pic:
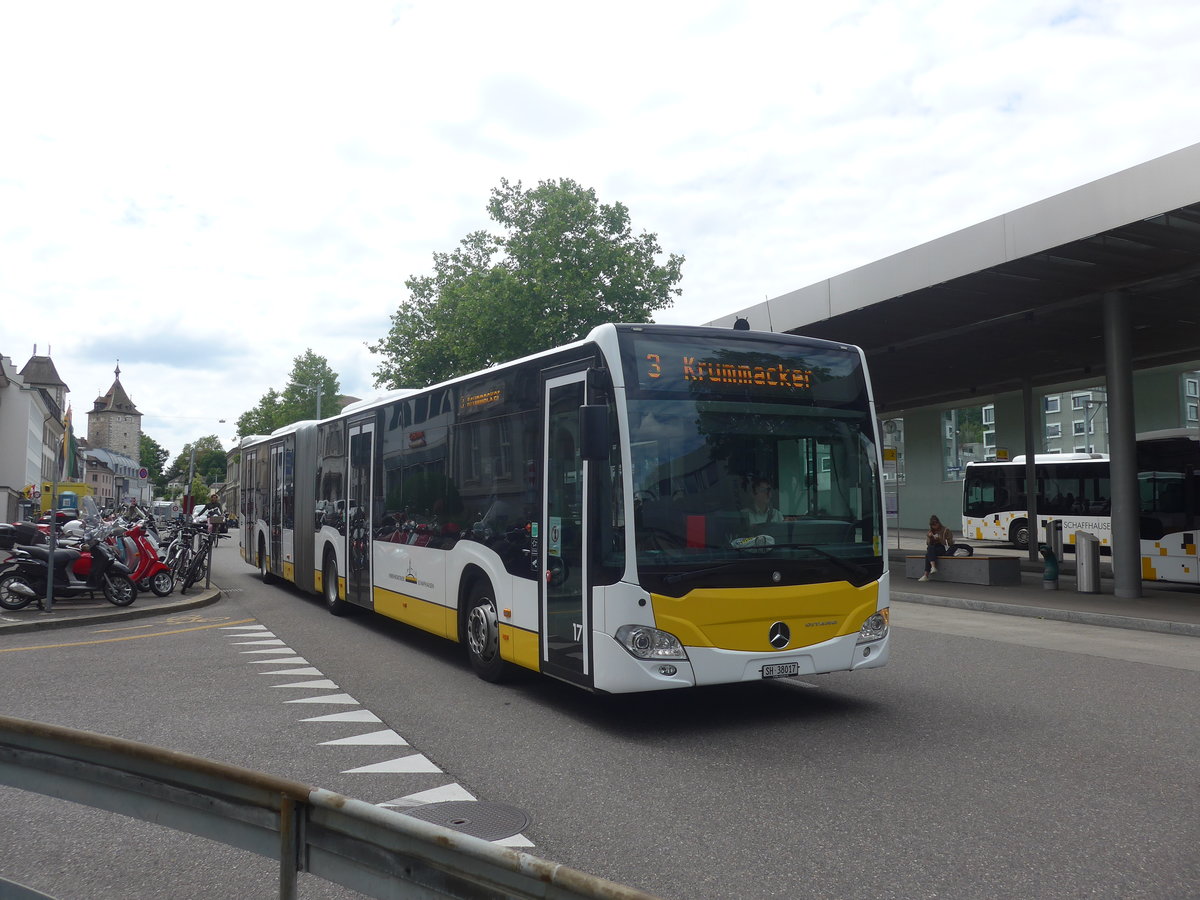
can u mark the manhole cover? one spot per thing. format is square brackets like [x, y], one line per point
[489, 821]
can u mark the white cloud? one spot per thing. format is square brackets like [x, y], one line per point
[207, 191]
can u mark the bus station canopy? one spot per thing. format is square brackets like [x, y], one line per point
[1018, 299]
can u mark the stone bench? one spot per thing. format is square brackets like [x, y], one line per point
[968, 569]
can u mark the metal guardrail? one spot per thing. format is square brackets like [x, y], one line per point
[375, 851]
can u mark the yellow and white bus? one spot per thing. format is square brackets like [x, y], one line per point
[584, 512]
[1074, 488]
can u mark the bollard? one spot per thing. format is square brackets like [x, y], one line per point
[1087, 563]
[1054, 536]
[1050, 573]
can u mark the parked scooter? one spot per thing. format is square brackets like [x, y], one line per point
[76, 572]
[149, 573]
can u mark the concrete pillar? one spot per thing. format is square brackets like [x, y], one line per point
[1122, 448]
[1030, 417]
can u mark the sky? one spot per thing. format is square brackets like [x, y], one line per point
[202, 192]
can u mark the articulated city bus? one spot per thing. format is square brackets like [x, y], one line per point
[1074, 488]
[588, 512]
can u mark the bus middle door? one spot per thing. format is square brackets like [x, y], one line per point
[566, 612]
[359, 483]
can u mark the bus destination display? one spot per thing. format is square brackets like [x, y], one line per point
[675, 367]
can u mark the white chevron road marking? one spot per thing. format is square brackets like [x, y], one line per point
[374, 739]
[418, 762]
[343, 699]
[357, 715]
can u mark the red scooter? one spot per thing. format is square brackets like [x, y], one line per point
[147, 570]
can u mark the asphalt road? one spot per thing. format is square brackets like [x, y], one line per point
[993, 757]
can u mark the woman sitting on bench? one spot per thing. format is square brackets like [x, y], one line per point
[939, 542]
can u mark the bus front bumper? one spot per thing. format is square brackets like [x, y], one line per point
[619, 672]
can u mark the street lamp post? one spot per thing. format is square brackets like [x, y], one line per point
[1090, 408]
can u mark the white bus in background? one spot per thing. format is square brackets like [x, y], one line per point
[1075, 488]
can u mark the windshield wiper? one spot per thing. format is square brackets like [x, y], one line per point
[853, 568]
[677, 577]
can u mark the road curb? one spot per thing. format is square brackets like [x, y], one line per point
[68, 620]
[1058, 615]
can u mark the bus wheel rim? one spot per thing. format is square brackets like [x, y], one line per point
[482, 632]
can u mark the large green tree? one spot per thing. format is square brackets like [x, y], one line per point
[153, 456]
[298, 399]
[262, 417]
[562, 263]
[209, 463]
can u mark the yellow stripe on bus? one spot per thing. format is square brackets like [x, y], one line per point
[416, 612]
[740, 619]
[520, 646]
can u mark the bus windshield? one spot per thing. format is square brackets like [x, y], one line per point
[724, 481]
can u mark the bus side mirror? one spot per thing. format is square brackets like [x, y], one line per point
[595, 441]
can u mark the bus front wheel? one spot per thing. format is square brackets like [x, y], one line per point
[482, 633]
[1018, 534]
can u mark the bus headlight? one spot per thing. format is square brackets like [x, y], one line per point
[876, 627]
[645, 642]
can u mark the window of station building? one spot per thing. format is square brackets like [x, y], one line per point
[1191, 387]
[1053, 429]
[962, 434]
[1079, 401]
[1053, 404]
[1193, 412]
[893, 451]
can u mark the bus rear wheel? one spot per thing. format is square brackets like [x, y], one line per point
[329, 587]
[1018, 534]
[482, 633]
[264, 572]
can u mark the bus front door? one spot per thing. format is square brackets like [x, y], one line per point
[566, 621]
[275, 512]
[358, 514]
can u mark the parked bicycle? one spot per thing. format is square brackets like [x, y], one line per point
[201, 556]
[180, 548]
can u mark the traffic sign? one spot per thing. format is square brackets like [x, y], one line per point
[143, 473]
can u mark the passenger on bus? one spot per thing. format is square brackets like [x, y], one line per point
[939, 541]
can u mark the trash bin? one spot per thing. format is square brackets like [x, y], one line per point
[1054, 536]
[1087, 563]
